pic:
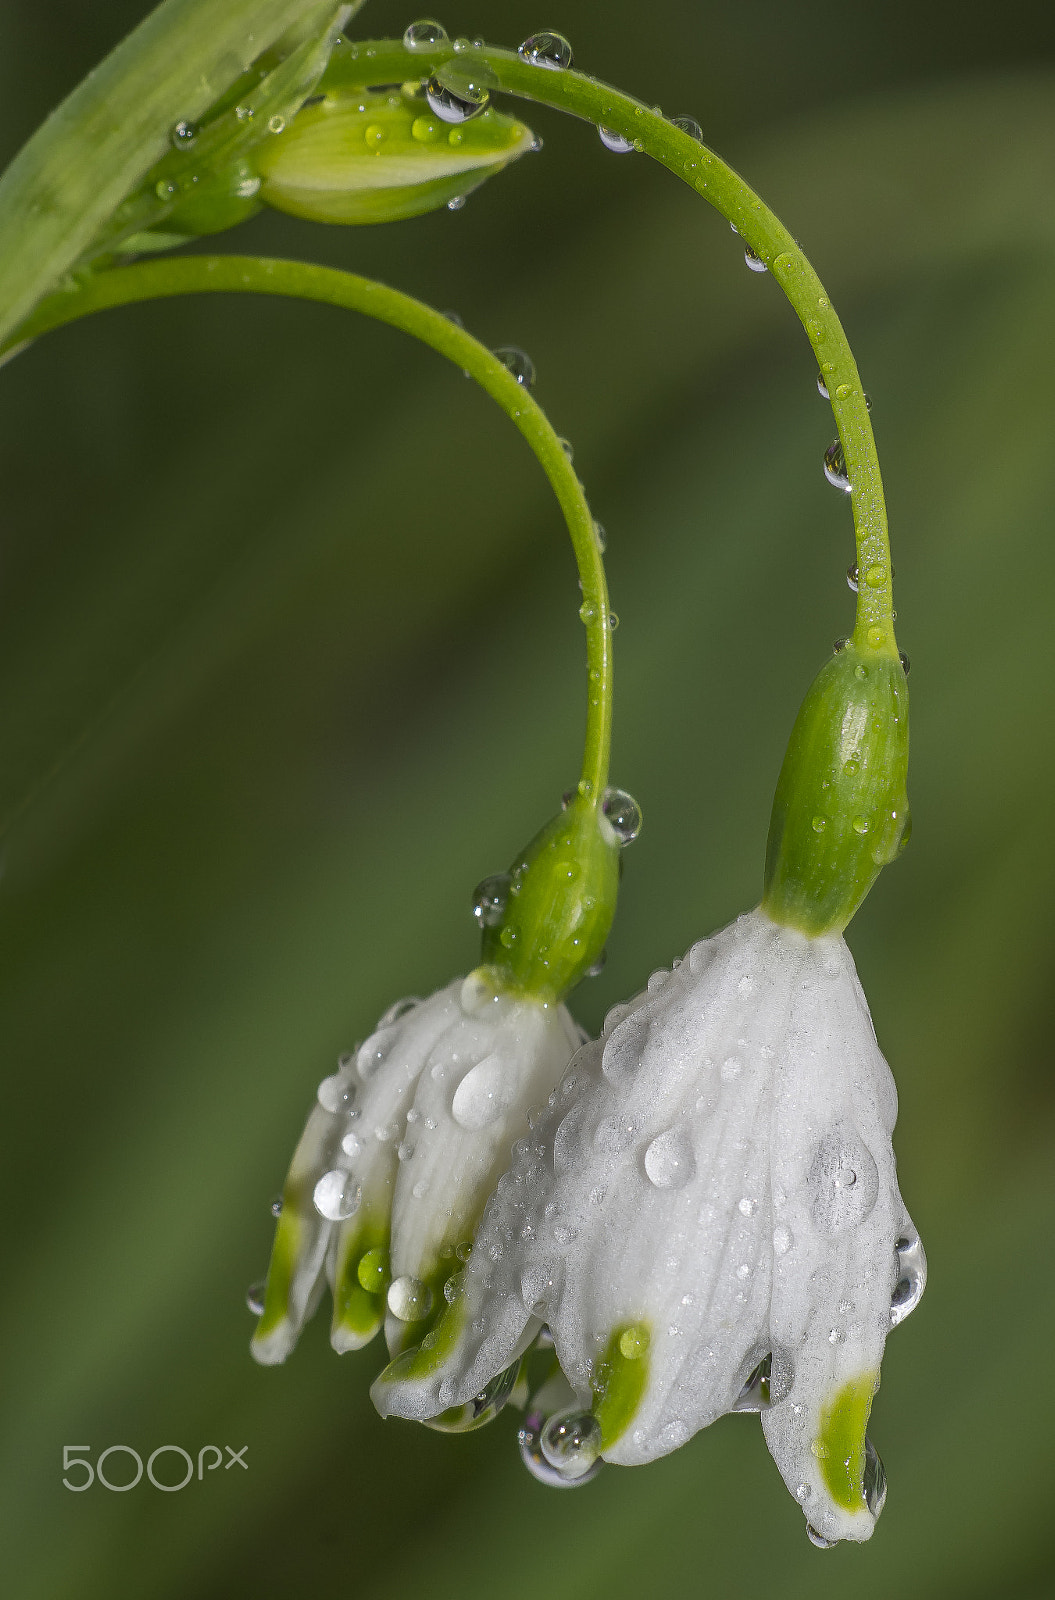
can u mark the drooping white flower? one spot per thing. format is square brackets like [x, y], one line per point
[399, 1153]
[707, 1218]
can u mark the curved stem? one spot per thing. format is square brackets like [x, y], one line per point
[385, 60]
[154, 280]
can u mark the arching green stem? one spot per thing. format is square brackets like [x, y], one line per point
[384, 61]
[159, 279]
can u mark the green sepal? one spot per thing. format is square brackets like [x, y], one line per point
[562, 896]
[840, 813]
[382, 155]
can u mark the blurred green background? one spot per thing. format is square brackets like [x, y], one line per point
[290, 659]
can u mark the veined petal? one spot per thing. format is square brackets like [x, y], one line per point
[498, 1057]
[837, 1217]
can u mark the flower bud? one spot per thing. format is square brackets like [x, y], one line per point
[379, 155]
[840, 812]
[560, 904]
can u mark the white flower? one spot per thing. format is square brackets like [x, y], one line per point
[707, 1218]
[398, 1156]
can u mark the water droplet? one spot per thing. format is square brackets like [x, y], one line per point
[337, 1196]
[184, 136]
[352, 1146]
[490, 898]
[623, 814]
[425, 131]
[852, 766]
[754, 261]
[244, 113]
[818, 1539]
[875, 576]
[507, 938]
[276, 1206]
[374, 135]
[530, 1441]
[853, 576]
[876, 637]
[690, 126]
[614, 141]
[843, 391]
[276, 123]
[613, 621]
[456, 205]
[815, 331]
[860, 671]
[874, 1479]
[595, 968]
[568, 448]
[486, 1091]
[822, 387]
[781, 1239]
[409, 1299]
[755, 1394]
[518, 363]
[843, 1181]
[165, 189]
[819, 824]
[839, 646]
[803, 1491]
[730, 1069]
[571, 1443]
[912, 1277]
[860, 824]
[905, 662]
[746, 1206]
[669, 1160]
[547, 50]
[424, 35]
[633, 1342]
[835, 467]
[335, 1094]
[255, 1297]
[456, 97]
[372, 1270]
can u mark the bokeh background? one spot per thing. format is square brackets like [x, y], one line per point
[290, 659]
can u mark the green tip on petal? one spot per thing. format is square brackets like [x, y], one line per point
[620, 1379]
[840, 1445]
[841, 809]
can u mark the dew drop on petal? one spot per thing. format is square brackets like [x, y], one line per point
[255, 1296]
[486, 1091]
[424, 35]
[781, 1239]
[352, 1145]
[843, 1181]
[874, 1479]
[818, 1539]
[547, 49]
[755, 1394]
[184, 136]
[372, 1270]
[912, 1277]
[337, 1196]
[335, 1094]
[409, 1299]
[571, 1443]
[669, 1160]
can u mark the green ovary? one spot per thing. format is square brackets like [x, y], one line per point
[840, 1445]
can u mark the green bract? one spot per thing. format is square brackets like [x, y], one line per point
[561, 902]
[841, 811]
[378, 155]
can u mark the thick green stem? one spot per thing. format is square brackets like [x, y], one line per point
[155, 280]
[383, 61]
[81, 163]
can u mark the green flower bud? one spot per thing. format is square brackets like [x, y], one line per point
[377, 156]
[557, 908]
[841, 811]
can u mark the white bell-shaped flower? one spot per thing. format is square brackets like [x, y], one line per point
[707, 1218]
[398, 1156]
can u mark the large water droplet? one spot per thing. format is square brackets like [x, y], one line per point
[486, 1091]
[571, 1443]
[912, 1277]
[753, 260]
[623, 814]
[669, 1160]
[482, 1408]
[372, 1270]
[906, 664]
[490, 898]
[853, 577]
[822, 387]
[255, 1297]
[184, 136]
[690, 126]
[874, 1479]
[456, 95]
[424, 35]
[335, 1094]
[409, 1299]
[614, 141]
[337, 1196]
[547, 49]
[843, 1181]
[530, 1441]
[818, 1539]
[835, 467]
[755, 1394]
[518, 363]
